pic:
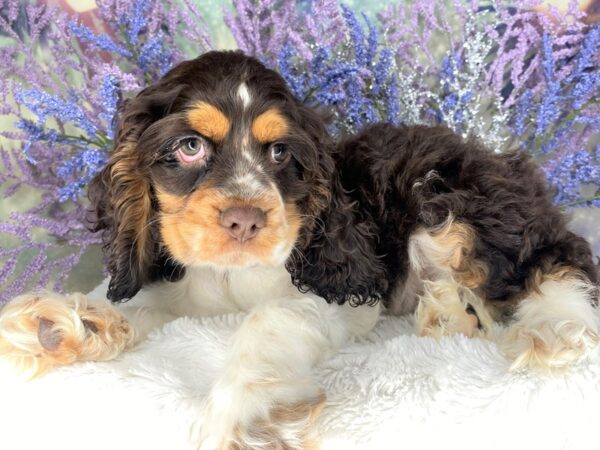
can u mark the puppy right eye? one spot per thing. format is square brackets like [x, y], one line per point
[190, 150]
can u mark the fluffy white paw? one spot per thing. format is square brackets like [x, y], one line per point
[251, 417]
[554, 327]
[549, 347]
[42, 331]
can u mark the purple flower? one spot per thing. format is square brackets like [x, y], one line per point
[357, 36]
[155, 57]
[100, 42]
[285, 65]
[392, 102]
[568, 173]
[45, 106]
[109, 95]
[35, 133]
[549, 109]
[523, 110]
[137, 19]
[382, 71]
[586, 76]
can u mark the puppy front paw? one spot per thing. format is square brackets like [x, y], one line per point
[39, 332]
[251, 418]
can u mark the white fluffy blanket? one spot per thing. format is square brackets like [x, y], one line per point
[392, 390]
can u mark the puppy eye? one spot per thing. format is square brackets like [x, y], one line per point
[279, 153]
[191, 149]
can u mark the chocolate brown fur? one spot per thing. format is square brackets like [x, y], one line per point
[391, 181]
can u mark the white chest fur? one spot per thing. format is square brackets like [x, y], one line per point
[206, 291]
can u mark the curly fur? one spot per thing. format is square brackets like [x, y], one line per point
[339, 262]
[124, 204]
[392, 181]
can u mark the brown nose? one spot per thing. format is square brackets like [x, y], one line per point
[243, 223]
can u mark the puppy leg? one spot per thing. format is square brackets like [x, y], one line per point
[39, 332]
[446, 308]
[443, 261]
[266, 398]
[554, 327]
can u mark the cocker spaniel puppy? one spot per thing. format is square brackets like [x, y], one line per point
[217, 173]
[221, 184]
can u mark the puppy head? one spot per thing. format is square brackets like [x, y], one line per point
[215, 165]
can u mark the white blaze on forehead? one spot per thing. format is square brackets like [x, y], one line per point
[247, 156]
[244, 94]
[252, 164]
[248, 169]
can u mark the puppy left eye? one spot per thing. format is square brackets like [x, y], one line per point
[279, 153]
[190, 150]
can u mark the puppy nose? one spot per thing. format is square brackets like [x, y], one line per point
[243, 223]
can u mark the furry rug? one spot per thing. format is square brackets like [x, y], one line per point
[390, 390]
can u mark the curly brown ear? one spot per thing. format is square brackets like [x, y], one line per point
[340, 262]
[124, 205]
[317, 166]
[336, 252]
[122, 199]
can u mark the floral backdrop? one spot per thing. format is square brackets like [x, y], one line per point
[520, 75]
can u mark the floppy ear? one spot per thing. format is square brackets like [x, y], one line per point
[340, 262]
[317, 165]
[124, 204]
[336, 254]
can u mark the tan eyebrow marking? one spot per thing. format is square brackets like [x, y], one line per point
[269, 126]
[209, 121]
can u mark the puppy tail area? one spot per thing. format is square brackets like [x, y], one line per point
[41, 331]
[555, 325]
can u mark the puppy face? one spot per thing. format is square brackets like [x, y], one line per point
[215, 165]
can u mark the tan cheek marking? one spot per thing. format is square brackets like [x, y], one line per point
[184, 220]
[269, 126]
[209, 121]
